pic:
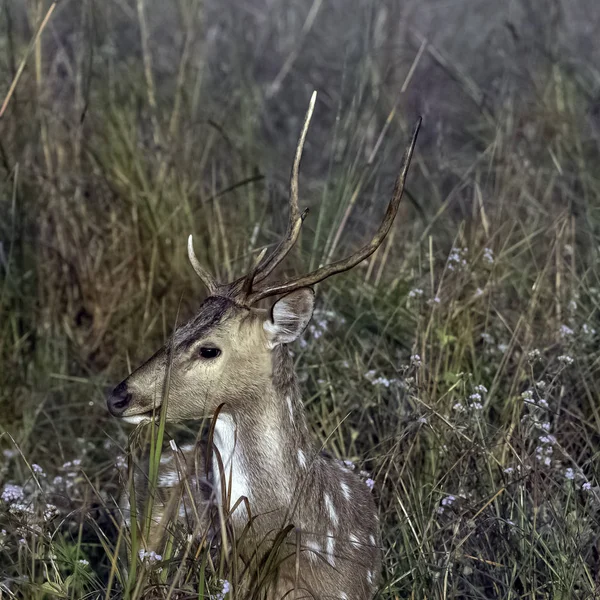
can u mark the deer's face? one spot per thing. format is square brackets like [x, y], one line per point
[223, 355]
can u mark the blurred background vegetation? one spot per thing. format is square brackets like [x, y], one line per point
[463, 354]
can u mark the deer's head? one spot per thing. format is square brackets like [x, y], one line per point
[225, 353]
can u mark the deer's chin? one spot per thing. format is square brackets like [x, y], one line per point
[146, 417]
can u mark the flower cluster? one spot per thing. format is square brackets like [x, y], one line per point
[456, 259]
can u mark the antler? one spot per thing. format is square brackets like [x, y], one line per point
[244, 289]
[341, 265]
[295, 219]
[207, 279]
[264, 267]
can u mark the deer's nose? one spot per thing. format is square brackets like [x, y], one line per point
[119, 400]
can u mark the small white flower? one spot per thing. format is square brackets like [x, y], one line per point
[488, 256]
[448, 500]
[509, 470]
[458, 407]
[547, 461]
[475, 396]
[12, 493]
[570, 474]
[533, 355]
[565, 332]
[481, 389]
[370, 483]
[370, 375]
[587, 330]
[150, 556]
[435, 300]
[415, 360]
[83, 562]
[50, 511]
[477, 406]
[415, 293]
[37, 469]
[422, 420]
[487, 338]
[566, 360]
[545, 426]
[20, 509]
[587, 486]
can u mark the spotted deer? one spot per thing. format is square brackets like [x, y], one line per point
[307, 516]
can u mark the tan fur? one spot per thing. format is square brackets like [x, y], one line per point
[331, 548]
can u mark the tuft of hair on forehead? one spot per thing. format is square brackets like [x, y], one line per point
[214, 311]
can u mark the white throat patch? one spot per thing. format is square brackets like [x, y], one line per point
[231, 456]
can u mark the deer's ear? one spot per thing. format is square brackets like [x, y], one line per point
[290, 316]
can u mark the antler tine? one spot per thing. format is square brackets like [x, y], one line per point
[207, 279]
[347, 263]
[247, 285]
[295, 218]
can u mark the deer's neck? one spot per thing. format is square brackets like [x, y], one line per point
[265, 447]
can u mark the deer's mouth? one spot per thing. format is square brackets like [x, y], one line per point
[145, 417]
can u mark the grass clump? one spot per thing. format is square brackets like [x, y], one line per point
[457, 368]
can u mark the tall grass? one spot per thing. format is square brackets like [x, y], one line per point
[458, 366]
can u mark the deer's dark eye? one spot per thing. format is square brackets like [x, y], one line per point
[208, 352]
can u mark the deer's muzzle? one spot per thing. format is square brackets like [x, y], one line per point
[119, 400]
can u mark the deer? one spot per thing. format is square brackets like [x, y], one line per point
[307, 515]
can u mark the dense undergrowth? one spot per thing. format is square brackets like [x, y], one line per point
[458, 365]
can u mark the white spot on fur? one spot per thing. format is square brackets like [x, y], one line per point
[225, 442]
[345, 490]
[188, 448]
[330, 509]
[330, 548]
[168, 479]
[354, 541]
[314, 549]
[370, 577]
[301, 459]
[343, 596]
[290, 408]
[372, 540]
